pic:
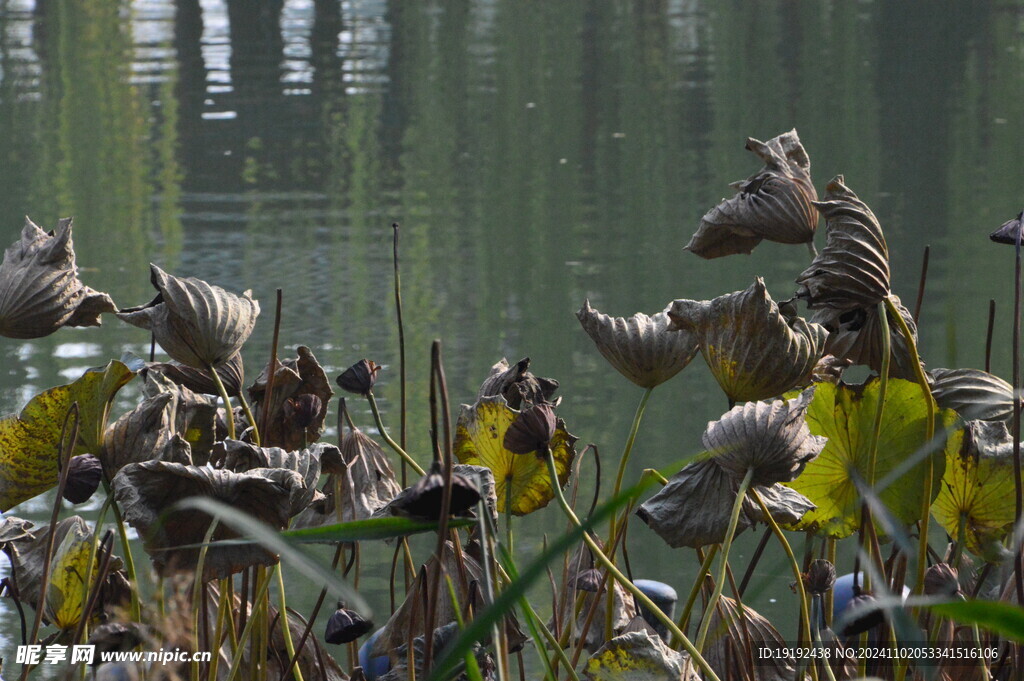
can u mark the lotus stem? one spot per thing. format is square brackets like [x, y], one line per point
[286, 631]
[236, 661]
[1018, 493]
[698, 584]
[229, 416]
[639, 595]
[401, 346]
[129, 562]
[199, 594]
[223, 610]
[804, 608]
[252, 421]
[387, 438]
[883, 383]
[988, 334]
[920, 286]
[630, 439]
[754, 560]
[929, 435]
[734, 518]
[268, 395]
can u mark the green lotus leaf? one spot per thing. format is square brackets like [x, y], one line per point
[845, 414]
[29, 440]
[977, 486]
[479, 441]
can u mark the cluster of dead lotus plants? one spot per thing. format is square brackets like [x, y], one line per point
[223, 482]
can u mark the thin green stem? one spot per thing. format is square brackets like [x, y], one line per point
[387, 438]
[252, 420]
[639, 595]
[129, 563]
[633, 429]
[734, 518]
[199, 593]
[229, 416]
[804, 607]
[883, 382]
[236, 661]
[929, 435]
[286, 631]
[684, 617]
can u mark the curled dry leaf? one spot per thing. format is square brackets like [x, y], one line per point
[776, 203]
[171, 424]
[643, 349]
[754, 349]
[972, 393]
[855, 335]
[770, 437]
[294, 379]
[194, 322]
[148, 490]
[517, 384]
[852, 271]
[638, 656]
[39, 286]
[727, 649]
[243, 457]
[425, 498]
[1009, 231]
[231, 372]
[520, 478]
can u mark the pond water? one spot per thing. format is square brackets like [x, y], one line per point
[535, 153]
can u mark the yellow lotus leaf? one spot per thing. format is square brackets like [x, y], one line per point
[29, 440]
[479, 441]
[66, 592]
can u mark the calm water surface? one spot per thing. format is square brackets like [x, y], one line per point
[535, 154]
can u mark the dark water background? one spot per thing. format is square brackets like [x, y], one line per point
[535, 153]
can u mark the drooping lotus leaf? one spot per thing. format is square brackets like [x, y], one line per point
[978, 488]
[852, 271]
[295, 377]
[638, 656]
[517, 384]
[754, 349]
[1009, 231]
[170, 417]
[13, 529]
[195, 323]
[643, 349]
[243, 457]
[727, 644]
[973, 393]
[845, 414]
[424, 499]
[856, 335]
[693, 508]
[770, 437]
[776, 203]
[231, 372]
[479, 440]
[39, 286]
[29, 440]
[147, 490]
[65, 589]
[477, 482]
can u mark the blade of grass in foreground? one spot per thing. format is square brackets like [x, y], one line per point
[481, 625]
[290, 550]
[1001, 618]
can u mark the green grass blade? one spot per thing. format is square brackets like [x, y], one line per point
[1001, 618]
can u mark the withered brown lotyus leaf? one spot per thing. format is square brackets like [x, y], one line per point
[638, 655]
[856, 335]
[39, 286]
[231, 372]
[754, 349]
[972, 393]
[194, 322]
[727, 644]
[302, 375]
[776, 203]
[517, 384]
[146, 491]
[770, 437]
[852, 271]
[243, 457]
[643, 349]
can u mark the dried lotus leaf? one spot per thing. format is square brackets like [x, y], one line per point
[972, 393]
[852, 271]
[754, 350]
[243, 457]
[302, 375]
[731, 627]
[231, 372]
[776, 203]
[517, 384]
[638, 656]
[39, 287]
[643, 349]
[856, 335]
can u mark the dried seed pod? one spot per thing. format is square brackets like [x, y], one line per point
[643, 349]
[84, 475]
[345, 626]
[39, 286]
[359, 378]
[299, 378]
[776, 203]
[863, 613]
[424, 499]
[195, 323]
[302, 410]
[532, 430]
[820, 576]
[941, 579]
[517, 384]
[589, 580]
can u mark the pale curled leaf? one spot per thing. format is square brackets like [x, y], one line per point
[770, 437]
[727, 651]
[855, 335]
[753, 349]
[194, 322]
[972, 393]
[852, 271]
[643, 349]
[39, 286]
[638, 656]
[776, 203]
[243, 457]
[231, 373]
